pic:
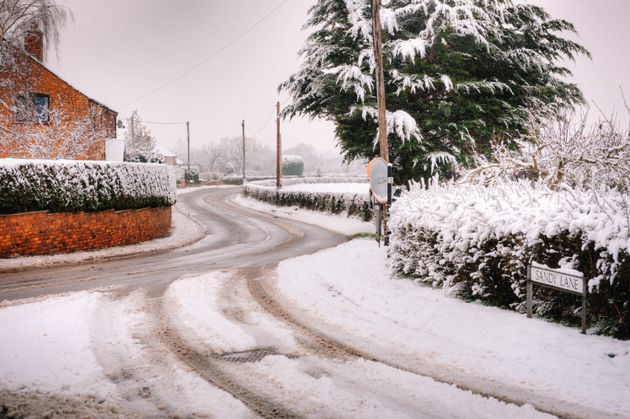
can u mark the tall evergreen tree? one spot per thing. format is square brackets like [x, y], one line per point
[460, 74]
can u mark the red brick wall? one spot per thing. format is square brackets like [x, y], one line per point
[42, 233]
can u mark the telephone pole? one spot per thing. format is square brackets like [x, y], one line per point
[278, 148]
[244, 152]
[380, 80]
[380, 95]
[188, 144]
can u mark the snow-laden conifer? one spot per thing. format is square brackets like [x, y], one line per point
[459, 74]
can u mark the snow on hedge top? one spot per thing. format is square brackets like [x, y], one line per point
[70, 185]
[468, 214]
[345, 188]
[294, 159]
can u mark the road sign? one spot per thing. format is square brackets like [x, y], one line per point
[378, 172]
[560, 280]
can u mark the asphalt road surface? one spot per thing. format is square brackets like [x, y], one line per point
[237, 238]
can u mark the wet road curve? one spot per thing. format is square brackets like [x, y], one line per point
[237, 238]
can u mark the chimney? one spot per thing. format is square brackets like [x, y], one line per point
[34, 42]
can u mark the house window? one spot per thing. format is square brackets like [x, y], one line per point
[36, 110]
[42, 108]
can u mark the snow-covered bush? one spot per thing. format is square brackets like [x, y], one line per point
[71, 186]
[477, 241]
[353, 205]
[191, 175]
[292, 165]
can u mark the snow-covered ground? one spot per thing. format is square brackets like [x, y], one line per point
[349, 289]
[100, 349]
[91, 350]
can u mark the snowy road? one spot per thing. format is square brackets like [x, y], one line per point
[237, 237]
[200, 332]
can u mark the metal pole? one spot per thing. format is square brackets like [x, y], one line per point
[584, 305]
[529, 292]
[380, 96]
[278, 148]
[244, 152]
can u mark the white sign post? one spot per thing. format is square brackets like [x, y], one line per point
[560, 280]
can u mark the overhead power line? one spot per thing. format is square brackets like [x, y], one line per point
[213, 55]
[164, 123]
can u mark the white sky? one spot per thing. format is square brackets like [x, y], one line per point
[119, 50]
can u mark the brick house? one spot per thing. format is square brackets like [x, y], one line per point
[37, 87]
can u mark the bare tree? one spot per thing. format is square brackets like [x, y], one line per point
[568, 150]
[17, 18]
[55, 135]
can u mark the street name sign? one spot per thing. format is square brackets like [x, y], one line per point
[558, 279]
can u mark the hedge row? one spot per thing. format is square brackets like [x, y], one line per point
[353, 205]
[73, 186]
[476, 243]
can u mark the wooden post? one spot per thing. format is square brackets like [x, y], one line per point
[244, 152]
[133, 131]
[380, 96]
[278, 149]
[188, 146]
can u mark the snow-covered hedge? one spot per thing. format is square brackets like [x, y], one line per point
[476, 242]
[71, 186]
[353, 205]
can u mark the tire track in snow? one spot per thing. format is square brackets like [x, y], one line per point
[262, 284]
[214, 372]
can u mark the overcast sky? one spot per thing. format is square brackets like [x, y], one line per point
[119, 51]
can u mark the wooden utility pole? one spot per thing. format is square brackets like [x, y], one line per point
[188, 145]
[244, 152]
[380, 80]
[380, 96]
[278, 148]
[133, 131]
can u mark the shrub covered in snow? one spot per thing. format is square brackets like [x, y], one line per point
[71, 186]
[352, 204]
[476, 242]
[292, 165]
